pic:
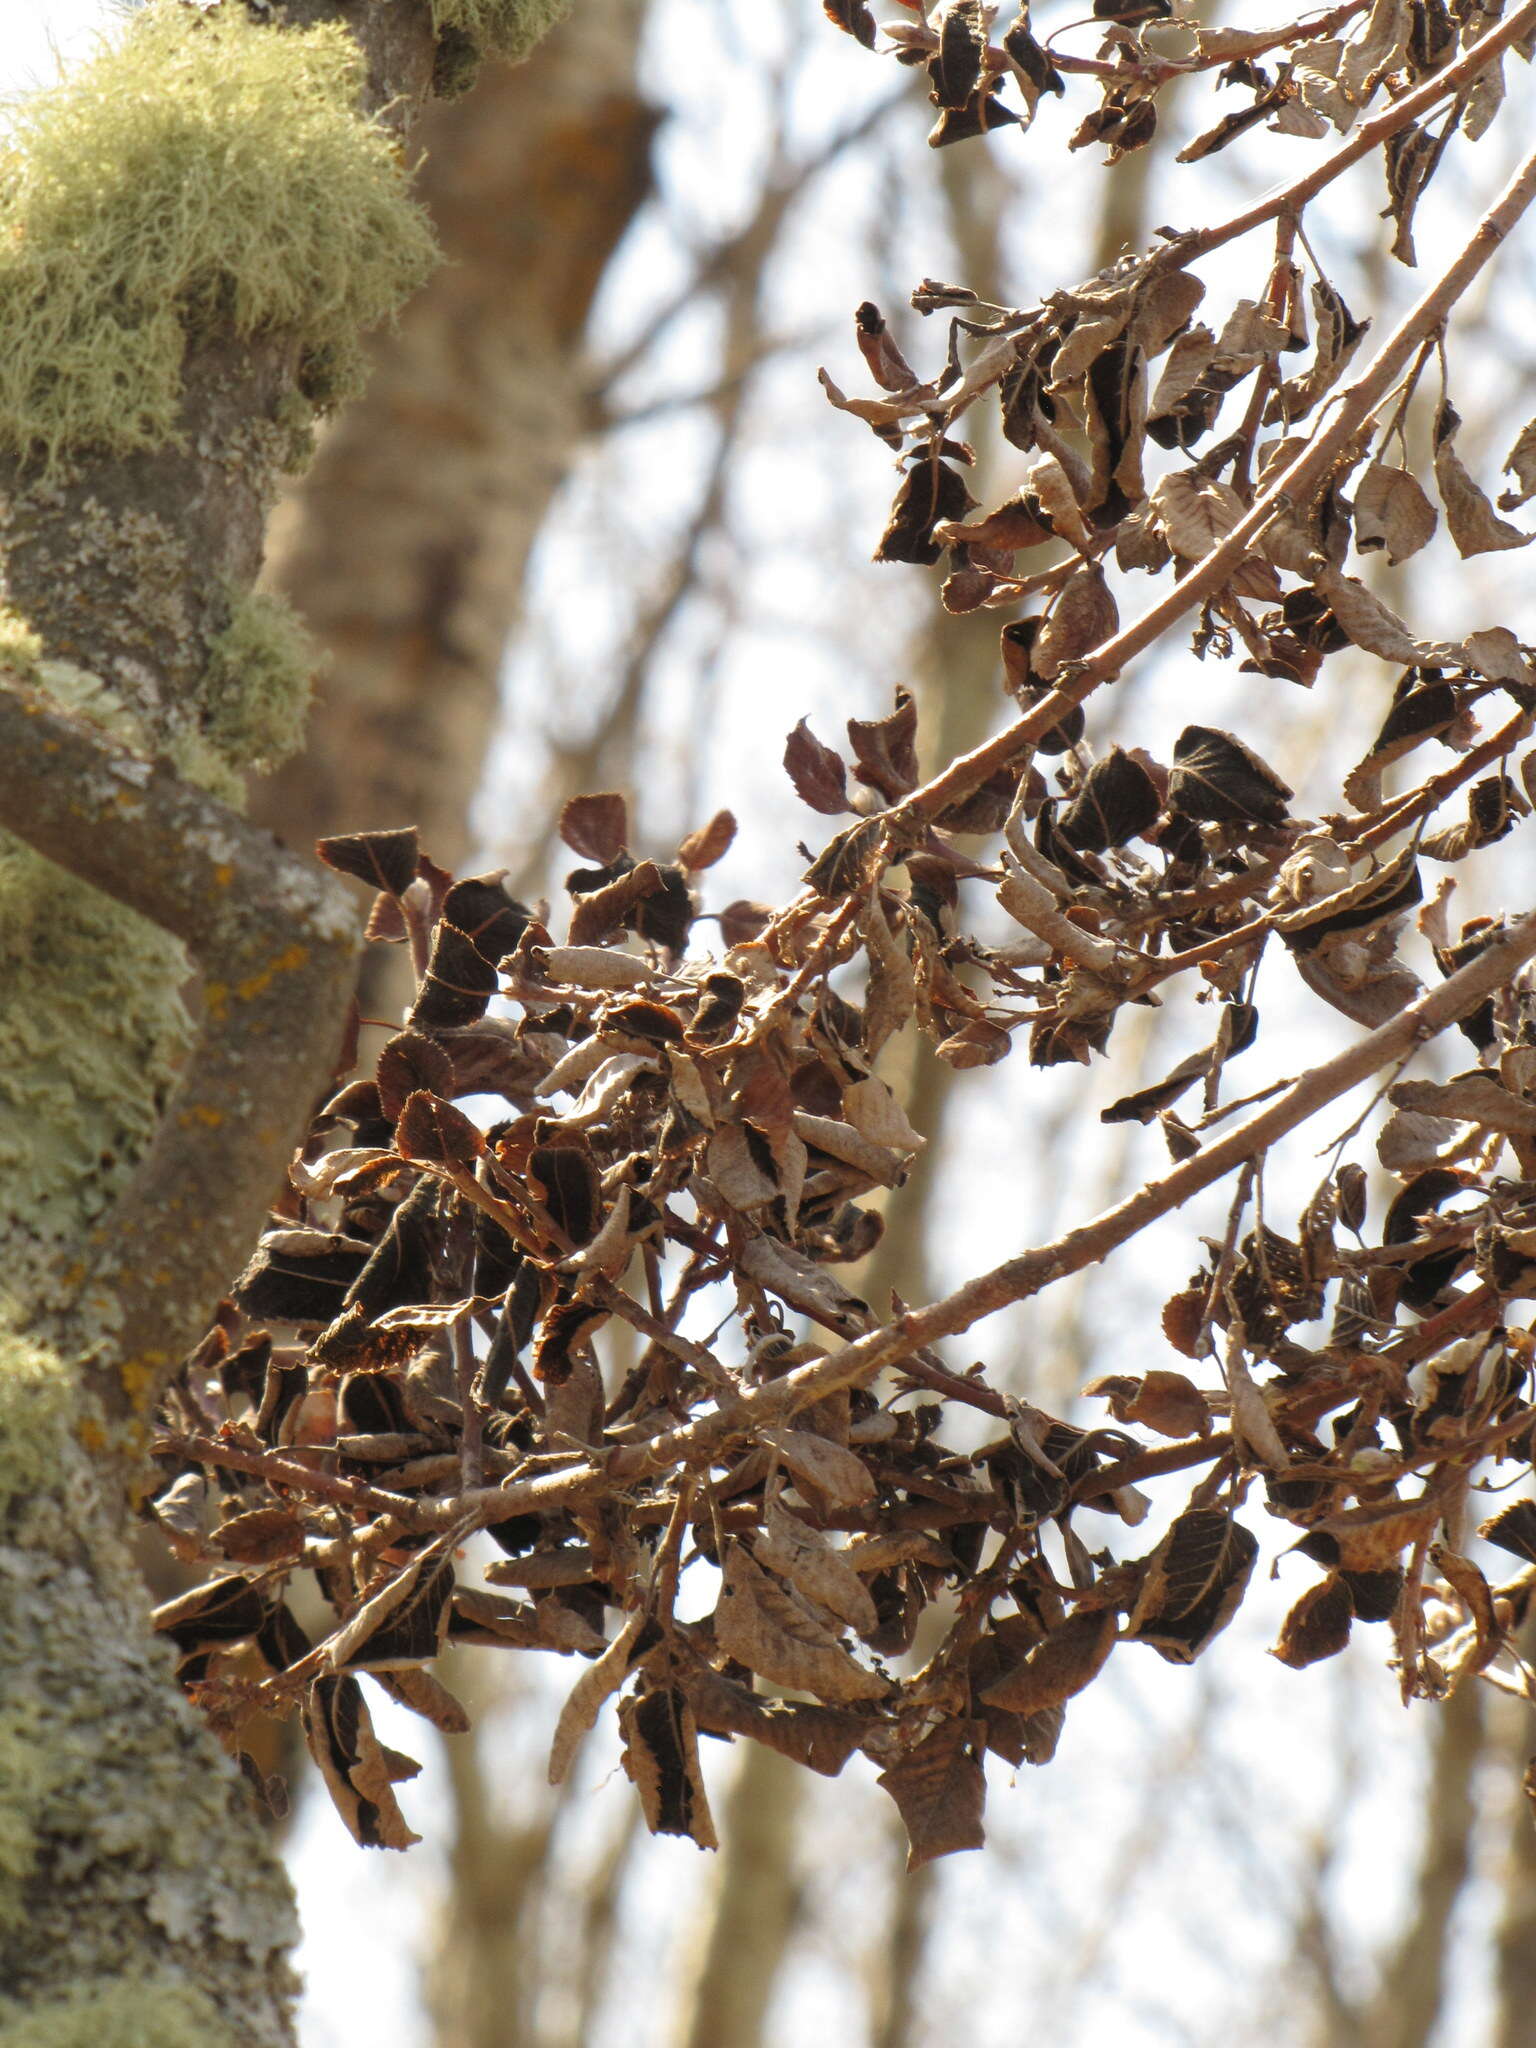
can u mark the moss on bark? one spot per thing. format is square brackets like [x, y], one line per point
[201, 175]
[131, 1875]
[500, 28]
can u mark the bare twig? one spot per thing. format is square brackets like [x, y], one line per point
[1293, 489]
[697, 1443]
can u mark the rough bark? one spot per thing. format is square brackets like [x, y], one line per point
[138, 1898]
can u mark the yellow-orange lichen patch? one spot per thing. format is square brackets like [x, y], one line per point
[218, 995]
[287, 962]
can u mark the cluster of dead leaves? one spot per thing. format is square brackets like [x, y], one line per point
[539, 1264]
[1310, 78]
[415, 1336]
[414, 1355]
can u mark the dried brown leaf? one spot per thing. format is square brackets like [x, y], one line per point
[596, 827]
[385, 860]
[1193, 1584]
[1317, 1626]
[1392, 512]
[710, 843]
[805, 1558]
[1083, 617]
[356, 1770]
[820, 1738]
[404, 1623]
[762, 1626]
[841, 1478]
[1475, 1098]
[584, 1702]
[819, 776]
[885, 751]
[1069, 1657]
[261, 1536]
[1514, 1529]
[661, 1757]
[1520, 463]
[426, 1695]
[1474, 525]
[872, 1108]
[940, 1790]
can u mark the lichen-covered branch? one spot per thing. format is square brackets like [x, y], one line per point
[195, 228]
[275, 940]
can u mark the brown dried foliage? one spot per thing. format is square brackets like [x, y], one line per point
[666, 1112]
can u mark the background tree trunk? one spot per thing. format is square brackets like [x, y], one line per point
[743, 1948]
[405, 546]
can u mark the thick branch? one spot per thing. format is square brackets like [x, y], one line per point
[276, 939]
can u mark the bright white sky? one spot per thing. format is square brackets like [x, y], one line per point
[1198, 1943]
[34, 37]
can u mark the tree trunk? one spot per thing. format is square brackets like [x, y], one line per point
[138, 1898]
[1515, 1936]
[756, 1899]
[209, 224]
[1409, 2000]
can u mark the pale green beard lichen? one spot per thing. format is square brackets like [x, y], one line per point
[257, 683]
[202, 174]
[501, 28]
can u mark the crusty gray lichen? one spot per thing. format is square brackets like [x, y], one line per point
[134, 2012]
[139, 1901]
[94, 1027]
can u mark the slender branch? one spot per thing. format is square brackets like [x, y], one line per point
[290, 1472]
[1391, 121]
[1018, 1279]
[1158, 70]
[1292, 490]
[1434, 790]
